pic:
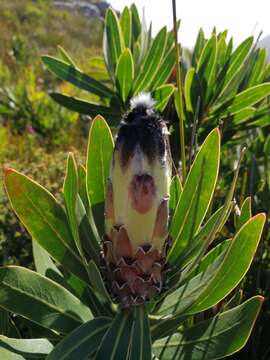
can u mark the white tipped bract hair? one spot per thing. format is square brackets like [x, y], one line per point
[144, 100]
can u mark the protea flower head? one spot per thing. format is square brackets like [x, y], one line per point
[137, 205]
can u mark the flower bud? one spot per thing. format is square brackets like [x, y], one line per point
[136, 207]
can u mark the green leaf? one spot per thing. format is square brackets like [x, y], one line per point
[40, 300]
[165, 70]
[88, 232]
[206, 64]
[249, 97]
[257, 68]
[20, 349]
[44, 219]
[71, 188]
[97, 281]
[136, 55]
[162, 96]
[215, 338]
[188, 93]
[144, 40]
[136, 23]
[99, 154]
[195, 200]
[241, 116]
[222, 276]
[210, 257]
[198, 240]
[245, 213]
[116, 342]
[82, 342]
[88, 296]
[125, 74]
[266, 147]
[114, 41]
[221, 52]
[234, 301]
[85, 107]
[141, 347]
[7, 325]
[74, 76]
[175, 192]
[65, 56]
[199, 45]
[125, 21]
[192, 90]
[234, 266]
[236, 62]
[165, 326]
[152, 62]
[82, 186]
[45, 266]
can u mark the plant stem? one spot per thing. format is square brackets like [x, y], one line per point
[178, 79]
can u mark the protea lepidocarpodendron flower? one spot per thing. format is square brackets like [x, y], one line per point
[137, 206]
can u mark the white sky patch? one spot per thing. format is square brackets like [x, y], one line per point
[241, 17]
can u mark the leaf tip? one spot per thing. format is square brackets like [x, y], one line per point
[7, 171]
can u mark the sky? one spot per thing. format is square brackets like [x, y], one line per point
[241, 17]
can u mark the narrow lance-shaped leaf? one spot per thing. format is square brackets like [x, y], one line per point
[192, 90]
[162, 96]
[186, 298]
[210, 257]
[114, 41]
[39, 299]
[99, 153]
[198, 240]
[116, 342]
[223, 335]
[82, 186]
[45, 220]
[249, 97]
[175, 192]
[165, 70]
[85, 107]
[234, 266]
[136, 23]
[190, 213]
[212, 285]
[126, 25]
[19, 349]
[67, 72]
[97, 281]
[240, 117]
[65, 56]
[45, 266]
[258, 67]
[245, 213]
[206, 64]
[125, 74]
[152, 62]
[141, 347]
[71, 188]
[88, 232]
[82, 342]
[233, 70]
[7, 325]
[199, 45]
[144, 40]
